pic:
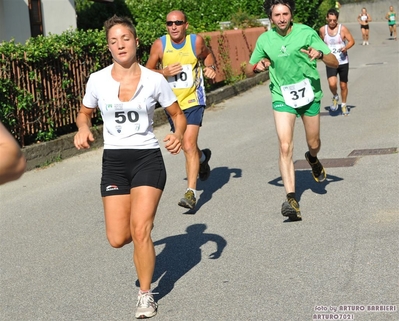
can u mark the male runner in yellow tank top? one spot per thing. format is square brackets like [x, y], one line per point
[185, 60]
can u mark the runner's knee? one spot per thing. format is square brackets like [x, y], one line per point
[314, 143]
[118, 240]
[286, 150]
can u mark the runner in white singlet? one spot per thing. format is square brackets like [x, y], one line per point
[364, 18]
[339, 40]
[133, 171]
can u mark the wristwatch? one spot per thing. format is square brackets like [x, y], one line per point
[256, 71]
[321, 54]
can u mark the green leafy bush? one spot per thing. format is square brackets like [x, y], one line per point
[243, 20]
[92, 15]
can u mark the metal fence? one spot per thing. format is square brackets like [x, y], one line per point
[41, 100]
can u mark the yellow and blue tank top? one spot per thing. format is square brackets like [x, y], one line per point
[188, 85]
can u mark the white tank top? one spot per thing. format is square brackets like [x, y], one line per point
[363, 16]
[335, 43]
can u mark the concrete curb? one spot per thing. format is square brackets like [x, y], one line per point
[43, 154]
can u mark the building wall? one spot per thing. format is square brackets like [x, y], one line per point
[57, 15]
[14, 20]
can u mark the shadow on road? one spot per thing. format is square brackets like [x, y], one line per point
[305, 181]
[338, 112]
[180, 254]
[219, 177]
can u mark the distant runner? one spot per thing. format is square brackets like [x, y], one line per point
[364, 18]
[339, 40]
[391, 17]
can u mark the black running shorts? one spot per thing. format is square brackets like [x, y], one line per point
[123, 169]
[342, 71]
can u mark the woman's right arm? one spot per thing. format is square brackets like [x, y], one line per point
[84, 136]
[173, 142]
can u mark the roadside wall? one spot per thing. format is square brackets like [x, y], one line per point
[232, 49]
[377, 10]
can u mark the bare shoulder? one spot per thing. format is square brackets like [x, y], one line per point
[344, 29]
[157, 45]
[345, 32]
[199, 40]
[156, 54]
[200, 46]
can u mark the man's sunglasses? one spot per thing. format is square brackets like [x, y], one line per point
[177, 23]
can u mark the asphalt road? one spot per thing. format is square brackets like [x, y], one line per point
[56, 263]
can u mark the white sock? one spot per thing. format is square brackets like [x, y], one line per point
[144, 292]
[194, 191]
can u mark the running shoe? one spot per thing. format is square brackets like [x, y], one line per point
[390, 34]
[188, 201]
[367, 43]
[205, 170]
[146, 306]
[364, 43]
[290, 208]
[345, 110]
[318, 172]
[334, 105]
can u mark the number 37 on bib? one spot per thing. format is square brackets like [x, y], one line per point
[299, 94]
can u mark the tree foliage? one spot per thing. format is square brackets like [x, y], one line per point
[313, 12]
[149, 15]
[306, 12]
[205, 15]
[92, 15]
